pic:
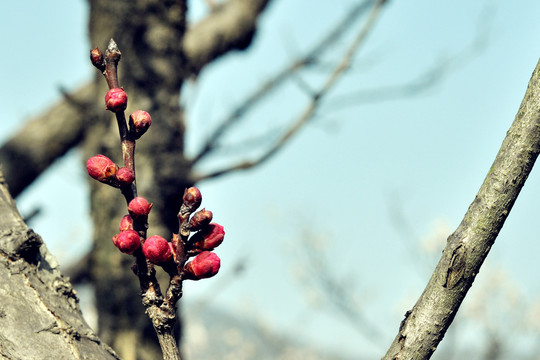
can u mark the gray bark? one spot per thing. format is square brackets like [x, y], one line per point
[39, 311]
[425, 325]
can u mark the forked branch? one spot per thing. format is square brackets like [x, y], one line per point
[317, 97]
[279, 78]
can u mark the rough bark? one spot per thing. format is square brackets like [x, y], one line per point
[39, 312]
[425, 325]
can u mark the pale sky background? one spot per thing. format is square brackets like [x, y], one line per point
[423, 157]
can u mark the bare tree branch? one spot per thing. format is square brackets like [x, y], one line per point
[46, 138]
[312, 107]
[231, 26]
[425, 325]
[271, 84]
[423, 81]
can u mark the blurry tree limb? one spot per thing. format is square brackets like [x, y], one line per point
[425, 325]
[42, 140]
[424, 81]
[317, 97]
[52, 134]
[278, 79]
[231, 26]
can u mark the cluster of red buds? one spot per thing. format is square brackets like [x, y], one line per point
[188, 255]
[173, 254]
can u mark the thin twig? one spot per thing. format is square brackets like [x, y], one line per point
[312, 107]
[162, 313]
[423, 81]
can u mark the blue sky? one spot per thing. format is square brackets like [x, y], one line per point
[422, 157]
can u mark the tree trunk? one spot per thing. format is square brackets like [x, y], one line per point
[39, 312]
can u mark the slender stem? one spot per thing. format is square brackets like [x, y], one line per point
[112, 57]
[162, 312]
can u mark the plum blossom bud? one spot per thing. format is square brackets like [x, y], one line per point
[96, 56]
[200, 219]
[101, 168]
[125, 176]
[203, 266]
[126, 223]
[157, 250]
[139, 207]
[127, 241]
[139, 122]
[192, 198]
[116, 100]
[208, 238]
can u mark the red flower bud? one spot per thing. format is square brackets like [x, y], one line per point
[139, 122]
[127, 241]
[208, 238]
[125, 176]
[116, 100]
[96, 56]
[157, 249]
[139, 207]
[192, 198]
[203, 266]
[200, 219]
[126, 223]
[101, 168]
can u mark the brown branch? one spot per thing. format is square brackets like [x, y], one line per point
[425, 325]
[309, 112]
[230, 27]
[271, 84]
[42, 140]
